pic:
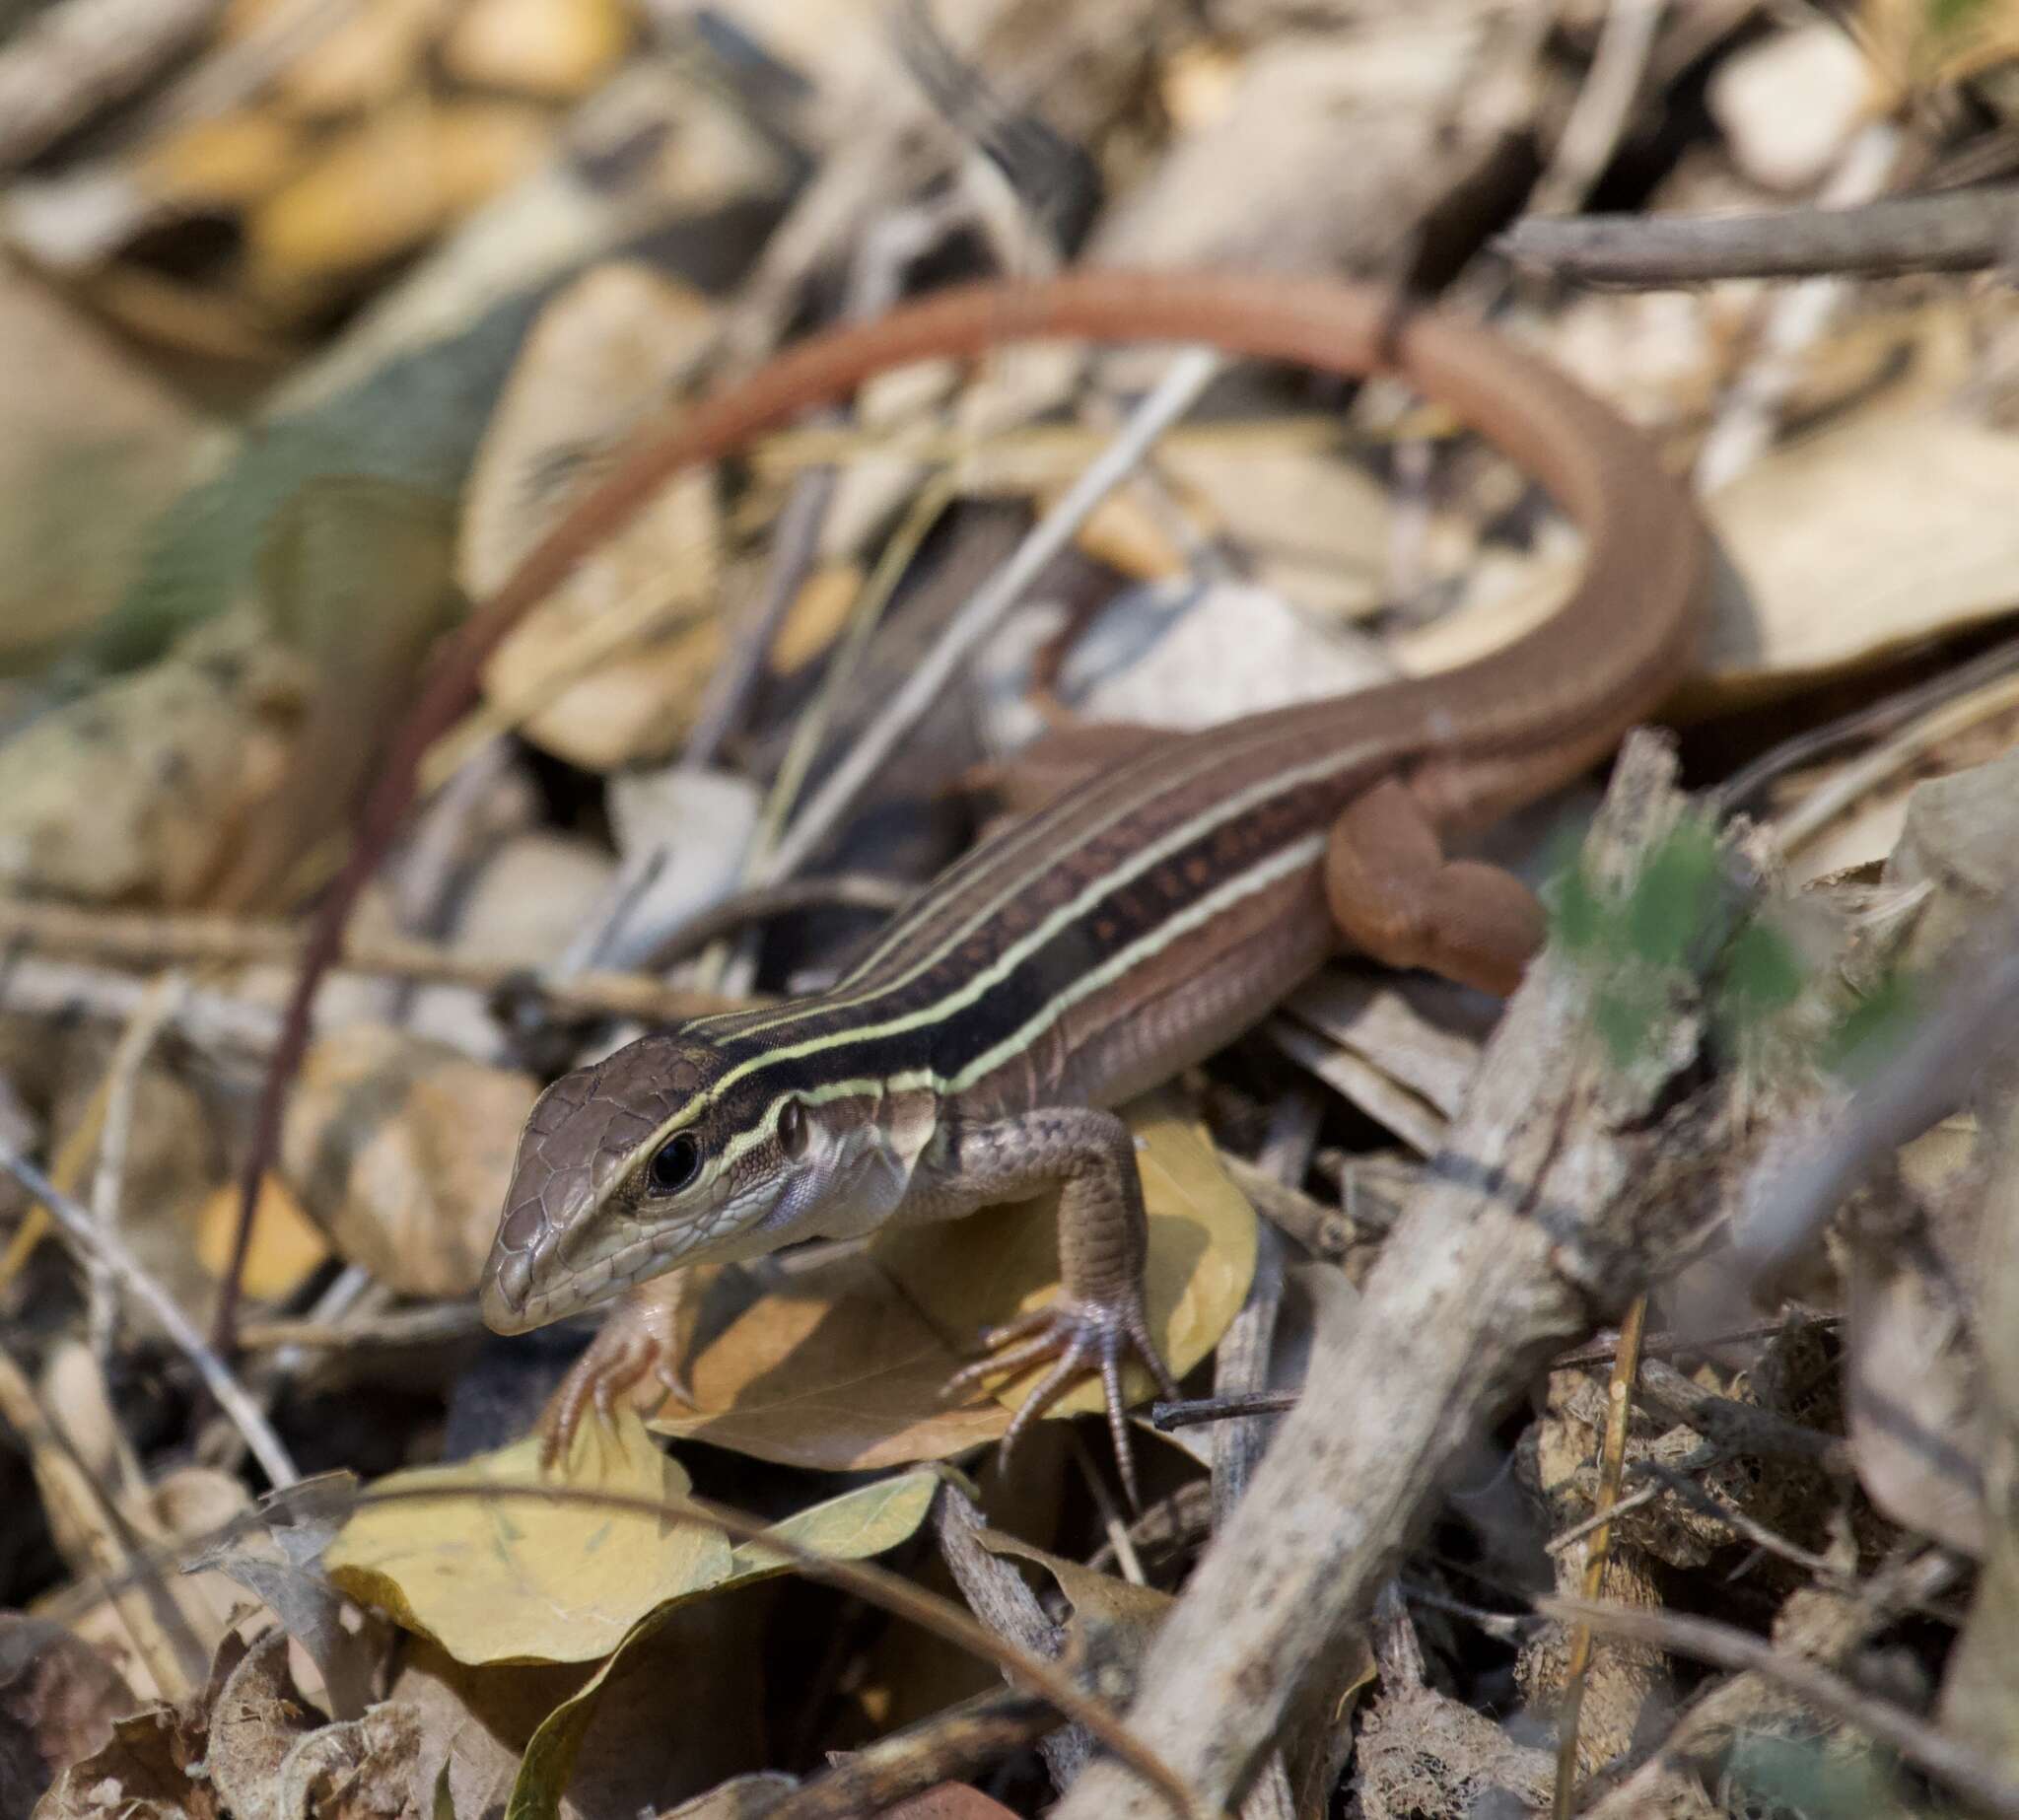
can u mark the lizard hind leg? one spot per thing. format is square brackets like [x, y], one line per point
[1397, 899]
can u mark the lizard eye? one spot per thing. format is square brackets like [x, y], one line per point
[675, 1164]
[791, 1128]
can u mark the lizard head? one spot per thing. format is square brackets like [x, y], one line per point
[663, 1153]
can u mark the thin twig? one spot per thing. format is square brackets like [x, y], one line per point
[1599, 115]
[1963, 232]
[230, 1396]
[1948, 1760]
[1188, 376]
[1612, 1464]
[123, 1080]
[151, 939]
[1738, 792]
[1749, 413]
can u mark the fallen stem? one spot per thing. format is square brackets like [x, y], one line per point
[108, 1247]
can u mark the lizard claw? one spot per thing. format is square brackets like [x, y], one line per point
[637, 1341]
[1078, 1337]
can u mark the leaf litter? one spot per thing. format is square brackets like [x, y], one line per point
[388, 288]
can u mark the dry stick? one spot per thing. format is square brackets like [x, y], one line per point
[148, 939]
[1956, 1765]
[80, 55]
[1845, 786]
[1965, 232]
[1932, 1072]
[1749, 415]
[1188, 376]
[1826, 1631]
[1554, 1191]
[1612, 1461]
[1739, 792]
[217, 1377]
[1599, 115]
[122, 1081]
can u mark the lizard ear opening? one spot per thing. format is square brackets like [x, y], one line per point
[792, 1129]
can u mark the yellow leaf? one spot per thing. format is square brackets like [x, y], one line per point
[552, 48]
[515, 1580]
[286, 1243]
[969, 1274]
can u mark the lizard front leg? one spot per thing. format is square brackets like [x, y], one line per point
[645, 1332]
[1098, 1316]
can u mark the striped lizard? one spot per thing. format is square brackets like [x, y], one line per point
[1132, 925]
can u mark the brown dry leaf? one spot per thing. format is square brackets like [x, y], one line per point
[255, 1721]
[602, 356]
[286, 1243]
[1315, 529]
[519, 1580]
[142, 1773]
[1227, 649]
[161, 1632]
[836, 1371]
[401, 1150]
[1960, 838]
[818, 612]
[91, 447]
[553, 49]
[171, 762]
[1882, 527]
[969, 1274]
[59, 1698]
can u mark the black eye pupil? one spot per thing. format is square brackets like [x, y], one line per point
[674, 1163]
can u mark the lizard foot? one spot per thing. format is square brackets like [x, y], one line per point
[1080, 1337]
[640, 1338]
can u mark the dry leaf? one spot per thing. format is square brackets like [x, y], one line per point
[852, 1527]
[950, 1802]
[602, 356]
[402, 1148]
[1213, 653]
[229, 161]
[92, 444]
[287, 1246]
[1312, 527]
[554, 49]
[59, 1697]
[836, 1371]
[383, 188]
[171, 761]
[373, 52]
[522, 1580]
